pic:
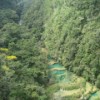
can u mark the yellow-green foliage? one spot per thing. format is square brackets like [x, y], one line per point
[5, 68]
[4, 49]
[11, 57]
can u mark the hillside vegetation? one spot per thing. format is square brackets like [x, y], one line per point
[68, 29]
[72, 35]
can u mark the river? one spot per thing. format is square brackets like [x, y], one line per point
[70, 86]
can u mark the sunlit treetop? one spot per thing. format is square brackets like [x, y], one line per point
[11, 57]
[4, 49]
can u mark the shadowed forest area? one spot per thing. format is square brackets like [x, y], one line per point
[36, 35]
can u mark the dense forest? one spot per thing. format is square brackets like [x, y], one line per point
[72, 35]
[68, 29]
[22, 66]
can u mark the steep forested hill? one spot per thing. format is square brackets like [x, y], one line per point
[68, 29]
[72, 35]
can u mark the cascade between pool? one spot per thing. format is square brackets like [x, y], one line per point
[69, 85]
